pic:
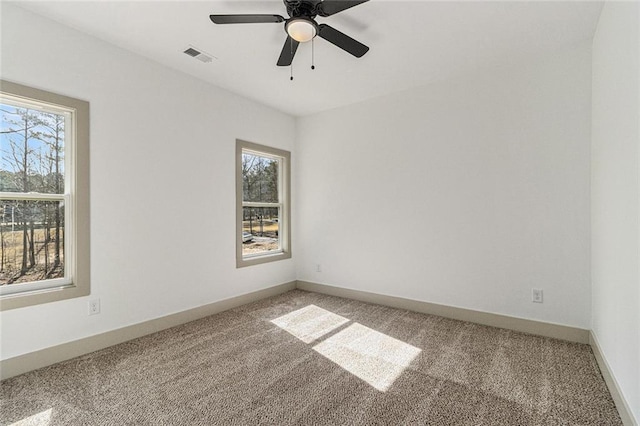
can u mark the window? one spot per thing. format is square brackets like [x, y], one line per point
[262, 204]
[44, 196]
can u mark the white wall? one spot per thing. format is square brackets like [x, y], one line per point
[464, 193]
[615, 194]
[162, 182]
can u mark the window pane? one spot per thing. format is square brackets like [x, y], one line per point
[260, 230]
[259, 178]
[31, 241]
[31, 150]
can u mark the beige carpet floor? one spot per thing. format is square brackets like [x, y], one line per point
[310, 359]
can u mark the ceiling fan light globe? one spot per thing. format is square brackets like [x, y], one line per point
[301, 30]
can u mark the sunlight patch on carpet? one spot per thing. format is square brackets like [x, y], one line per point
[310, 323]
[42, 418]
[372, 356]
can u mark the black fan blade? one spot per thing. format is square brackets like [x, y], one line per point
[288, 52]
[341, 40]
[331, 7]
[245, 19]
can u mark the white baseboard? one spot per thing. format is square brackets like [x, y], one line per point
[557, 331]
[572, 334]
[614, 389]
[31, 361]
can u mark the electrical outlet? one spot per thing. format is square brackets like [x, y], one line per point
[318, 267]
[94, 306]
[536, 295]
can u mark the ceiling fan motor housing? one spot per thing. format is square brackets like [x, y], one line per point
[302, 8]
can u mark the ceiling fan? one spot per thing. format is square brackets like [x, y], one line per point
[302, 27]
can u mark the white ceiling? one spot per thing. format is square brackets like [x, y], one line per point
[412, 43]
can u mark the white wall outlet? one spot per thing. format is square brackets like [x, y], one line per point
[318, 267]
[536, 295]
[94, 306]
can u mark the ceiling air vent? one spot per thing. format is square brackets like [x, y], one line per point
[199, 54]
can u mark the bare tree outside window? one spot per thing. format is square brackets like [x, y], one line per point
[32, 162]
[263, 204]
[260, 222]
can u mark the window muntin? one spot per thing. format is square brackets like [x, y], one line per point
[44, 203]
[262, 175]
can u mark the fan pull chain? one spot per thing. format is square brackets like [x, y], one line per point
[313, 67]
[291, 67]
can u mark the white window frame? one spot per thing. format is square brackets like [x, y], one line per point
[76, 280]
[284, 204]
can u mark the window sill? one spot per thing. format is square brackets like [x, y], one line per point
[36, 297]
[265, 258]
